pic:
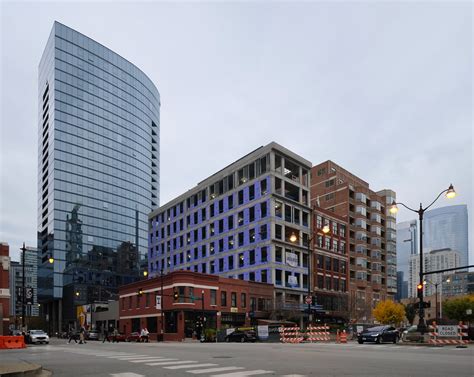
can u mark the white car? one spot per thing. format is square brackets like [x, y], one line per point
[37, 337]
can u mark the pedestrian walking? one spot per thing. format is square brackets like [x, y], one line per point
[106, 336]
[82, 335]
[144, 335]
[72, 336]
[114, 336]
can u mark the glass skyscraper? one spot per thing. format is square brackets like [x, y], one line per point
[447, 227]
[407, 245]
[98, 163]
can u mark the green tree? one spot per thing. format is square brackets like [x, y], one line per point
[458, 308]
[389, 312]
[410, 312]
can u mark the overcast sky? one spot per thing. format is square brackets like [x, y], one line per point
[383, 89]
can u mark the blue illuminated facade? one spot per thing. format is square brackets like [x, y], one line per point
[238, 222]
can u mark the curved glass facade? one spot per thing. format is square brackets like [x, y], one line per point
[98, 168]
[447, 227]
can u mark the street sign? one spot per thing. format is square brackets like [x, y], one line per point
[29, 296]
[448, 331]
[309, 299]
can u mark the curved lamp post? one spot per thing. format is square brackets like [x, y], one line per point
[450, 194]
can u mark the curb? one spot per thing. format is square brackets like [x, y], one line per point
[22, 369]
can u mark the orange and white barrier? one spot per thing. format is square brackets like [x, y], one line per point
[318, 333]
[461, 331]
[290, 335]
[341, 336]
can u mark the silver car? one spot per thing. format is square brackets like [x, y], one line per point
[37, 337]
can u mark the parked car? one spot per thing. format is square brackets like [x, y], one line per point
[134, 337]
[378, 334]
[241, 336]
[93, 335]
[119, 338]
[37, 337]
[412, 335]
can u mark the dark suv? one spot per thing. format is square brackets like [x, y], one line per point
[241, 336]
[378, 334]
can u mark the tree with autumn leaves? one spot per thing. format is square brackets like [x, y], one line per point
[389, 312]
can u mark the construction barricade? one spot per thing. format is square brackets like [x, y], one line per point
[438, 334]
[12, 342]
[290, 335]
[341, 336]
[317, 333]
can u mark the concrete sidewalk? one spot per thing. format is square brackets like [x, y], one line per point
[20, 368]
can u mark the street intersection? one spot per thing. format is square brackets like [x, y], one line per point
[241, 360]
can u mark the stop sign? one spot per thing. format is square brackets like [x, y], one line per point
[309, 299]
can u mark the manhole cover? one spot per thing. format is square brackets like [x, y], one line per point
[222, 357]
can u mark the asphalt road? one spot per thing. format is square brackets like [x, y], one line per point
[240, 360]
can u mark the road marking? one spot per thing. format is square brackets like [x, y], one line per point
[125, 356]
[244, 373]
[149, 359]
[127, 374]
[173, 363]
[142, 359]
[294, 375]
[191, 366]
[211, 370]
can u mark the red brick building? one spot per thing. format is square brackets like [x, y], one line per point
[372, 234]
[4, 288]
[330, 267]
[227, 303]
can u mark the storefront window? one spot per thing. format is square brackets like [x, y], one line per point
[171, 322]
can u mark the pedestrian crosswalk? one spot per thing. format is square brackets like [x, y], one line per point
[193, 367]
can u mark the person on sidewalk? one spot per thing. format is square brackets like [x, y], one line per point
[114, 336]
[144, 335]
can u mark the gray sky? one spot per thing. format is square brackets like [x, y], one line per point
[383, 89]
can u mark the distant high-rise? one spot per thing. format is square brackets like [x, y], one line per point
[447, 227]
[407, 245]
[433, 260]
[98, 163]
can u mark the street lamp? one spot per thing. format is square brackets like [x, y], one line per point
[293, 238]
[393, 209]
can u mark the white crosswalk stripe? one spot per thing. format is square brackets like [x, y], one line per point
[149, 360]
[144, 359]
[190, 366]
[212, 370]
[125, 357]
[244, 373]
[173, 363]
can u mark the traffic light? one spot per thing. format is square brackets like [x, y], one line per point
[419, 290]
[140, 292]
[175, 295]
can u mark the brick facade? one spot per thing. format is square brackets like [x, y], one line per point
[227, 303]
[4, 288]
[372, 234]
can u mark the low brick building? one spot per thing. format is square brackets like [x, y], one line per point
[227, 303]
[4, 288]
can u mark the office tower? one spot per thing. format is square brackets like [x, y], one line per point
[434, 260]
[372, 234]
[407, 245]
[459, 283]
[98, 163]
[31, 281]
[249, 221]
[447, 227]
